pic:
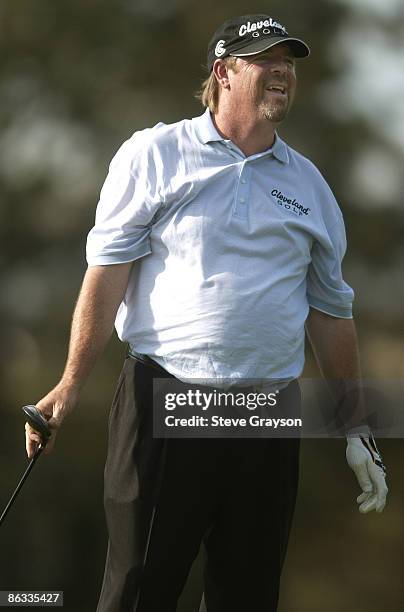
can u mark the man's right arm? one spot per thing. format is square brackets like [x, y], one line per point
[101, 293]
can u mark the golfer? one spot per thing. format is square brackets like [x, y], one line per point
[215, 246]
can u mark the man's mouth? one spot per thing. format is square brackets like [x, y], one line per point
[277, 89]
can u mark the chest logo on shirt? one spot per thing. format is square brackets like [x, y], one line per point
[290, 204]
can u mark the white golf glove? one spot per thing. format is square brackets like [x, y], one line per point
[365, 460]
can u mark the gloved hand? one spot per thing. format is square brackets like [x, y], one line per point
[365, 460]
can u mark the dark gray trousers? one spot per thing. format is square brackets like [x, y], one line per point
[237, 496]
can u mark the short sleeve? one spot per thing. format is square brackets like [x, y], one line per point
[326, 289]
[126, 208]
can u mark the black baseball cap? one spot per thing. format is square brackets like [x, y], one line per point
[250, 34]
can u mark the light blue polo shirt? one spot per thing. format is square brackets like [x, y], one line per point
[231, 251]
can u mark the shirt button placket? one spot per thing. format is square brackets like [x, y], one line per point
[243, 190]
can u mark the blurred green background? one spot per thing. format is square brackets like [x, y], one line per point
[76, 79]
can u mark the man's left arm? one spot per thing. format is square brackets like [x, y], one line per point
[335, 345]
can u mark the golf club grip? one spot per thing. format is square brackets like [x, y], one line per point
[22, 480]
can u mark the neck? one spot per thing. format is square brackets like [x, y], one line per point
[249, 134]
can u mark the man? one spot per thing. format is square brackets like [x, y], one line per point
[237, 242]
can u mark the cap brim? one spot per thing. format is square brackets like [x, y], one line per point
[299, 48]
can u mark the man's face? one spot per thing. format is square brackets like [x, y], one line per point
[265, 83]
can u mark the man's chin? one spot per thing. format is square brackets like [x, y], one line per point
[275, 115]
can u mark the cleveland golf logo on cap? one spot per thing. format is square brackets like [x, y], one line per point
[219, 49]
[250, 34]
[248, 27]
[255, 28]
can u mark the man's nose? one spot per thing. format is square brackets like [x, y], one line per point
[279, 67]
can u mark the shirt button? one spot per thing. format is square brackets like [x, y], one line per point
[242, 200]
[243, 181]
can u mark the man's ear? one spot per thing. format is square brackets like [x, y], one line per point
[220, 71]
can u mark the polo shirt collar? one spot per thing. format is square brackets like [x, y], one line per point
[205, 128]
[280, 150]
[206, 132]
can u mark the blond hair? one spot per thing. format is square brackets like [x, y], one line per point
[209, 92]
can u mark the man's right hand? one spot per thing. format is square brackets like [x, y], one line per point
[54, 407]
[101, 293]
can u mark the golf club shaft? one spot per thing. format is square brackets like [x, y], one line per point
[23, 478]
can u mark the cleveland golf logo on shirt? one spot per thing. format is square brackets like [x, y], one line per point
[290, 204]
